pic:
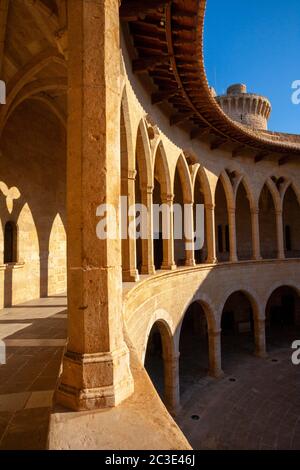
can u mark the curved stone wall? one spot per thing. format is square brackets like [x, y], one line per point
[167, 296]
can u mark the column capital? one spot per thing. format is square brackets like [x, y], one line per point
[231, 210]
[215, 332]
[254, 210]
[131, 174]
[211, 261]
[147, 190]
[167, 198]
[210, 207]
[278, 212]
[128, 175]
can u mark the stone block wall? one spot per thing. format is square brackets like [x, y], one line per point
[33, 150]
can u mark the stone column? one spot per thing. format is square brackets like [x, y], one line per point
[168, 232]
[171, 384]
[260, 337]
[210, 233]
[129, 270]
[232, 234]
[189, 234]
[147, 244]
[297, 311]
[215, 361]
[279, 229]
[1, 247]
[255, 233]
[96, 371]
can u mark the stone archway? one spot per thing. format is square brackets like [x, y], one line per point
[201, 253]
[267, 224]
[198, 346]
[291, 223]
[221, 223]
[193, 347]
[243, 224]
[282, 317]
[162, 194]
[161, 364]
[238, 329]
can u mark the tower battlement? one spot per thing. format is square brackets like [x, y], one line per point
[249, 109]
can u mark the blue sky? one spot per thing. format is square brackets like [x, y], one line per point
[256, 43]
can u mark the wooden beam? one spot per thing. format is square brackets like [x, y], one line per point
[180, 117]
[199, 132]
[161, 96]
[260, 156]
[184, 14]
[149, 63]
[133, 10]
[284, 160]
[217, 143]
[236, 151]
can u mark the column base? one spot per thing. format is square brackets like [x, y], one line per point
[94, 381]
[130, 275]
[261, 354]
[148, 270]
[190, 262]
[216, 374]
[174, 411]
[211, 261]
[257, 258]
[233, 259]
[169, 267]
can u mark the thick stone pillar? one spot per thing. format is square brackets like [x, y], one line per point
[232, 234]
[279, 230]
[168, 232]
[215, 361]
[189, 234]
[255, 233]
[96, 370]
[147, 244]
[171, 384]
[210, 233]
[129, 270]
[260, 337]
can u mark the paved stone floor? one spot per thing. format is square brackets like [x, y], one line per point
[34, 334]
[256, 405]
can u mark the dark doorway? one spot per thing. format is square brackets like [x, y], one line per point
[10, 243]
[282, 317]
[193, 347]
[154, 363]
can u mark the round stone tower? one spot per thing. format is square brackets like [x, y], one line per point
[246, 108]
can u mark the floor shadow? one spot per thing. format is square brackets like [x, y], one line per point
[8, 279]
[29, 377]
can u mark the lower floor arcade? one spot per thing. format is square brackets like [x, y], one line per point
[227, 397]
[206, 351]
